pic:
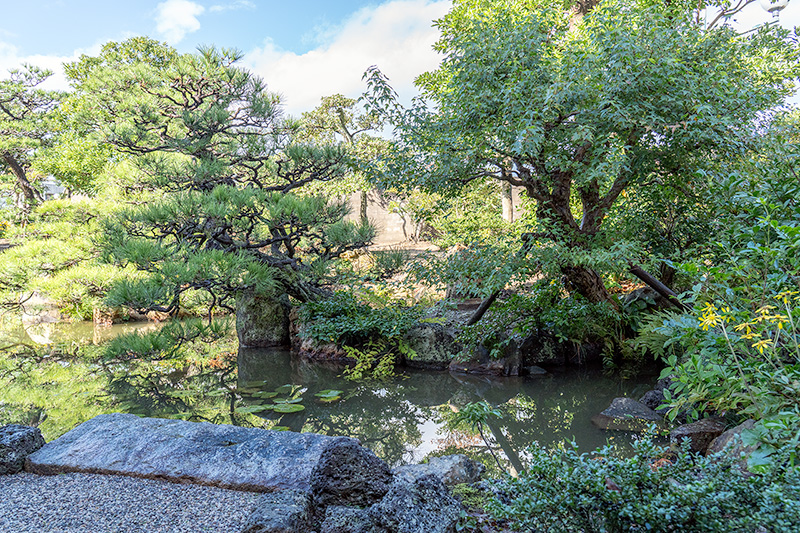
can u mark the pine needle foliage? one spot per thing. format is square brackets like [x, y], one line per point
[220, 173]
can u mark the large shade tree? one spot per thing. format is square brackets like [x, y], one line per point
[580, 111]
[214, 207]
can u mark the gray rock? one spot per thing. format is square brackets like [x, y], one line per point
[700, 433]
[261, 322]
[480, 362]
[731, 441]
[208, 454]
[287, 511]
[533, 370]
[731, 444]
[349, 474]
[421, 506]
[654, 398]
[340, 519]
[626, 414]
[16, 443]
[435, 346]
[450, 469]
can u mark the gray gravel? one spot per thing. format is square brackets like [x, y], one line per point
[103, 504]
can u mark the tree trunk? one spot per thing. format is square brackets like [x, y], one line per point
[32, 196]
[363, 207]
[588, 283]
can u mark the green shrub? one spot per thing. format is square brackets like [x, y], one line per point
[370, 328]
[565, 491]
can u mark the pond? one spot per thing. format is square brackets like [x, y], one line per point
[402, 420]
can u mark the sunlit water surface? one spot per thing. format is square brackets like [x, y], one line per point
[402, 420]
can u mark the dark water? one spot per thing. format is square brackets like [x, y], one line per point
[402, 420]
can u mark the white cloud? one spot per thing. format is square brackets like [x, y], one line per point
[176, 18]
[232, 6]
[10, 58]
[396, 36]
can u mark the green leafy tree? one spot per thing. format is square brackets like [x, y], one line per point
[338, 120]
[24, 126]
[218, 172]
[579, 110]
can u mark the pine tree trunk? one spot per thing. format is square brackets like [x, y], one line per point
[32, 196]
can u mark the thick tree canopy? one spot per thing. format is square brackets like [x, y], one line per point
[577, 112]
[217, 173]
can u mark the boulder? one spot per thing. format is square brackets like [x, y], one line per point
[340, 519]
[543, 349]
[287, 511]
[450, 469]
[731, 443]
[261, 321]
[700, 433]
[655, 398]
[16, 444]
[482, 363]
[435, 346]
[349, 474]
[219, 455]
[423, 505]
[533, 370]
[627, 414]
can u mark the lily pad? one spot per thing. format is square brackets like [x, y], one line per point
[288, 408]
[329, 395]
[247, 409]
[264, 394]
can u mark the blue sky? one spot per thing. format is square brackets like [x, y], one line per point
[51, 27]
[304, 49]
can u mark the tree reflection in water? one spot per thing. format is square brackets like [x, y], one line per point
[59, 386]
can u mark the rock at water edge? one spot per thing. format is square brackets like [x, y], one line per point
[287, 511]
[626, 414]
[199, 452]
[450, 469]
[16, 444]
[261, 322]
[700, 433]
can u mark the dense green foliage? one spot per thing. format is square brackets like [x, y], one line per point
[220, 166]
[57, 257]
[563, 490]
[739, 350]
[580, 112]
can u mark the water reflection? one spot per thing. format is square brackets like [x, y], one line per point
[402, 420]
[410, 417]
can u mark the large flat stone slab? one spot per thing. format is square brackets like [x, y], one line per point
[209, 454]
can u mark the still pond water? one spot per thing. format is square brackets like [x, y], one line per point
[402, 420]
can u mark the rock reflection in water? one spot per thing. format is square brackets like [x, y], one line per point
[405, 419]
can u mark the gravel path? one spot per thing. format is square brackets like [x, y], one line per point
[78, 503]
